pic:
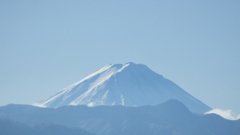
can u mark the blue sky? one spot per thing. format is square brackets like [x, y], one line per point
[48, 45]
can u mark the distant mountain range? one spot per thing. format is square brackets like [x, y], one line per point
[127, 84]
[169, 118]
[118, 99]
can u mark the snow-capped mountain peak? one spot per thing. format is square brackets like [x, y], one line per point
[127, 84]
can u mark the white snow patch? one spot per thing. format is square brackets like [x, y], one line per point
[114, 103]
[105, 95]
[122, 100]
[103, 77]
[91, 104]
[44, 103]
[39, 105]
[124, 66]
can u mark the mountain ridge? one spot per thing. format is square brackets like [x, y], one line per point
[168, 118]
[11, 127]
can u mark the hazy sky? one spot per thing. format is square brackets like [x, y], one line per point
[48, 45]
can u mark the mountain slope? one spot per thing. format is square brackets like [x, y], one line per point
[169, 118]
[127, 84]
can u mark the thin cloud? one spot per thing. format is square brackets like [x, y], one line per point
[227, 114]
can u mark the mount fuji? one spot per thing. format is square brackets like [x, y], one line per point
[127, 84]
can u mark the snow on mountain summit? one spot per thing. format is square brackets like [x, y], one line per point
[127, 84]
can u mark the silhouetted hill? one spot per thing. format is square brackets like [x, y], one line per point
[10, 127]
[169, 118]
